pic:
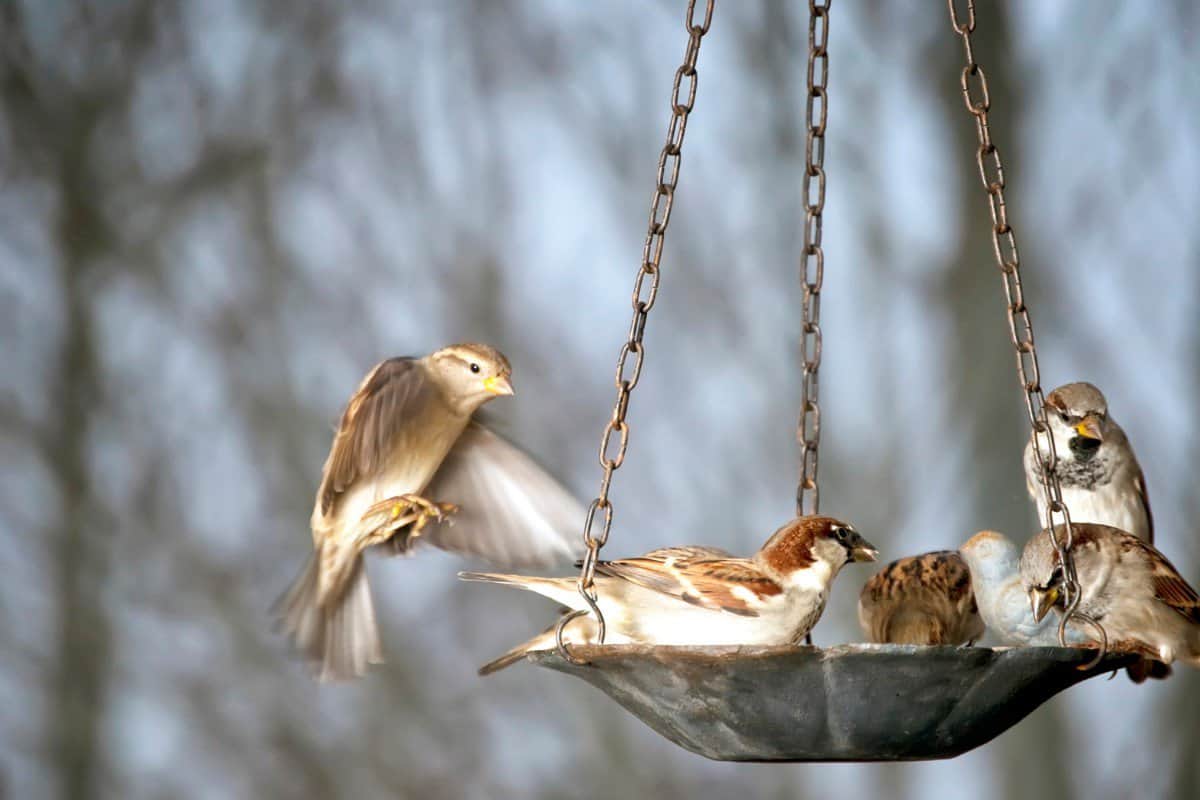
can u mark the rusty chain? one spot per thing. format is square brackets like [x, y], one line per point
[645, 290]
[812, 268]
[975, 95]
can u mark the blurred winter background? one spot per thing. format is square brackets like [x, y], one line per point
[215, 216]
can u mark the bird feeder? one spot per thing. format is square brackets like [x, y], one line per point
[850, 702]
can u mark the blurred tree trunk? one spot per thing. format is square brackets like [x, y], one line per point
[81, 542]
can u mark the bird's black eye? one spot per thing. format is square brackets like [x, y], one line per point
[1055, 577]
[474, 368]
[1064, 416]
[841, 534]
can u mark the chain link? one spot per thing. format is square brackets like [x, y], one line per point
[977, 98]
[812, 268]
[645, 291]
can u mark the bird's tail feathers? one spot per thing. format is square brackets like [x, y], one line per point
[336, 633]
[1148, 668]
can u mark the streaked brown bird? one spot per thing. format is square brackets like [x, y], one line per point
[1127, 586]
[703, 595]
[407, 454]
[925, 599]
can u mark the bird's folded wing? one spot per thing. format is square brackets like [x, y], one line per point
[388, 396]
[1172, 589]
[511, 511]
[724, 584]
[1139, 485]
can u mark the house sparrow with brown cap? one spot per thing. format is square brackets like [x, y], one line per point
[703, 595]
[925, 599]
[1126, 586]
[406, 454]
[1098, 473]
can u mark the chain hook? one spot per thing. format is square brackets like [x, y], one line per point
[683, 100]
[1004, 245]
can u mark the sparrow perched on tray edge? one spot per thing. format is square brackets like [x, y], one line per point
[703, 595]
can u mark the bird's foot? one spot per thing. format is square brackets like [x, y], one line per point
[413, 508]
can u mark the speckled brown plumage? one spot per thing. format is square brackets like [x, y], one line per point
[925, 599]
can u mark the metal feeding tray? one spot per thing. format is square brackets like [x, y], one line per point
[857, 702]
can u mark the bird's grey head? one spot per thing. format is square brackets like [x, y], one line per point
[1078, 416]
[991, 555]
[1041, 574]
[471, 374]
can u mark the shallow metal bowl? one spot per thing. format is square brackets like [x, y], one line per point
[858, 702]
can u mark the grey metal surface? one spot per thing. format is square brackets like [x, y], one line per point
[859, 702]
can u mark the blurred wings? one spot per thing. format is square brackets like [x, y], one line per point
[511, 511]
[384, 400]
[703, 576]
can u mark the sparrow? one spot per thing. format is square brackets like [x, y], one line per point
[994, 561]
[1099, 475]
[925, 599]
[1126, 586]
[704, 595]
[407, 453]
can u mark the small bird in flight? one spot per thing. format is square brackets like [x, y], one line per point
[407, 454]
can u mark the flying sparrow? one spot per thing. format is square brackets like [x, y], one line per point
[1126, 585]
[406, 454]
[925, 599]
[1099, 475]
[994, 561]
[703, 595]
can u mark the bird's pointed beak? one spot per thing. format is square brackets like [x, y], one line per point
[1090, 428]
[864, 551]
[499, 385]
[1041, 601]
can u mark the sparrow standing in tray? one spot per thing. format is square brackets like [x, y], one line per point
[705, 596]
[406, 454]
[1126, 585]
[994, 561]
[925, 599]
[1099, 475]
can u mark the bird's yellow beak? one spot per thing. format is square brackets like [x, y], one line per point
[498, 384]
[1041, 601]
[1089, 427]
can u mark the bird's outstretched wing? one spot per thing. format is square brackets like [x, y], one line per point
[511, 511]
[384, 400]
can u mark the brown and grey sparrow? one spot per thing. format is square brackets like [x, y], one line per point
[705, 596]
[925, 599]
[1099, 475]
[406, 454]
[1126, 586]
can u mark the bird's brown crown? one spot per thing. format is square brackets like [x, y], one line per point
[805, 540]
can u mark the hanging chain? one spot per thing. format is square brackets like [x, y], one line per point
[812, 270]
[645, 290]
[1004, 245]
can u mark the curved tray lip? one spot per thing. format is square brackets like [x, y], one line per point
[600, 653]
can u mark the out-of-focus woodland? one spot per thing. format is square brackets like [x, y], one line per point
[215, 216]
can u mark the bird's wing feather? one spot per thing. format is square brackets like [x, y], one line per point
[1172, 589]
[511, 511]
[734, 585]
[1139, 485]
[384, 400]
